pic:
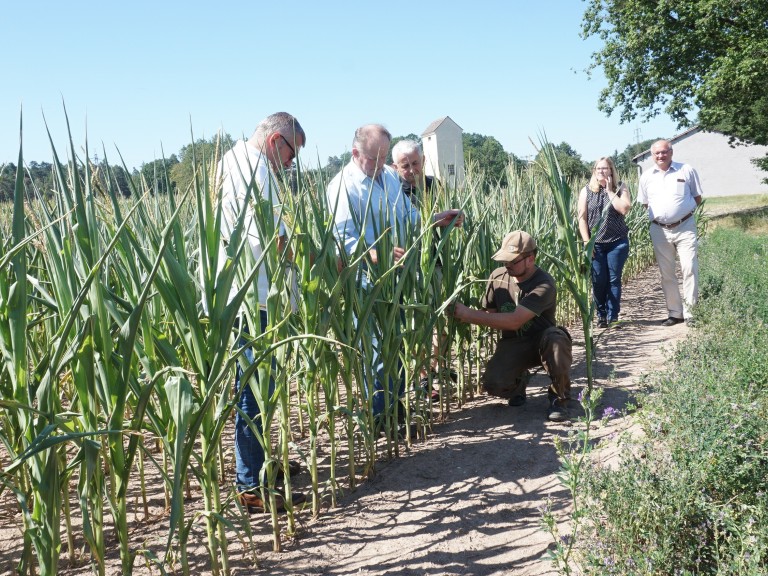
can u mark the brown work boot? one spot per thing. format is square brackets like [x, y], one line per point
[252, 501]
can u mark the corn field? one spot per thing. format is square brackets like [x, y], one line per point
[113, 374]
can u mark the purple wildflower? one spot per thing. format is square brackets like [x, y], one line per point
[610, 412]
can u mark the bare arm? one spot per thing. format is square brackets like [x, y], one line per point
[622, 203]
[443, 219]
[397, 254]
[496, 320]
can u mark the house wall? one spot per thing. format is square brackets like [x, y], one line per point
[724, 171]
[443, 148]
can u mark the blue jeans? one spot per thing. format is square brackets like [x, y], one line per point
[249, 453]
[396, 389]
[608, 261]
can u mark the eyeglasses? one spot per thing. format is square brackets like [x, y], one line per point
[517, 261]
[291, 148]
[661, 152]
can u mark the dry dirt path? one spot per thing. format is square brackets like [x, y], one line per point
[468, 501]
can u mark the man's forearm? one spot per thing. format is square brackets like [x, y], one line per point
[497, 320]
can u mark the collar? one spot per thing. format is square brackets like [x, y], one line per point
[673, 167]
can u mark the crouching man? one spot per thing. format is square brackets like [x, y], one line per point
[520, 301]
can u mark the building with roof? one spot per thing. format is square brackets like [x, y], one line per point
[725, 170]
[444, 151]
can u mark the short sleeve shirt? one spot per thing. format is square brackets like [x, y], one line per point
[670, 195]
[537, 294]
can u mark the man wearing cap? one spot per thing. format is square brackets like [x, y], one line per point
[671, 191]
[521, 300]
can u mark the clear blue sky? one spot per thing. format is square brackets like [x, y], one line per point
[139, 74]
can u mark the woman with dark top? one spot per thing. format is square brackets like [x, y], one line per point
[603, 203]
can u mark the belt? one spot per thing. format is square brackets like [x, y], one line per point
[673, 224]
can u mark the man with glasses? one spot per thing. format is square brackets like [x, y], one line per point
[671, 191]
[521, 301]
[255, 165]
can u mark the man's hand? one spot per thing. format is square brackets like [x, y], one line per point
[445, 218]
[397, 254]
[282, 246]
[458, 311]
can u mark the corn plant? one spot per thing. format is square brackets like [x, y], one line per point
[119, 334]
[573, 259]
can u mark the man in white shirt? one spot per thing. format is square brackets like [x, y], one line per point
[367, 200]
[251, 166]
[671, 191]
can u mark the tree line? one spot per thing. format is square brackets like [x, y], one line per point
[484, 154]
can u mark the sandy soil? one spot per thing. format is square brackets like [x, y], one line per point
[468, 501]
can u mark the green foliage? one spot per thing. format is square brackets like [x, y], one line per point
[156, 175]
[192, 156]
[689, 496]
[572, 167]
[487, 155]
[335, 164]
[624, 162]
[685, 56]
[7, 181]
[397, 139]
[37, 174]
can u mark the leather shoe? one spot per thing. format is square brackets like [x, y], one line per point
[253, 503]
[671, 321]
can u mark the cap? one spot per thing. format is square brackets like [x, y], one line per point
[514, 244]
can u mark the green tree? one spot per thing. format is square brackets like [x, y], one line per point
[623, 161]
[156, 175]
[7, 181]
[336, 163]
[41, 174]
[684, 56]
[182, 173]
[570, 162]
[488, 155]
[117, 176]
[397, 139]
